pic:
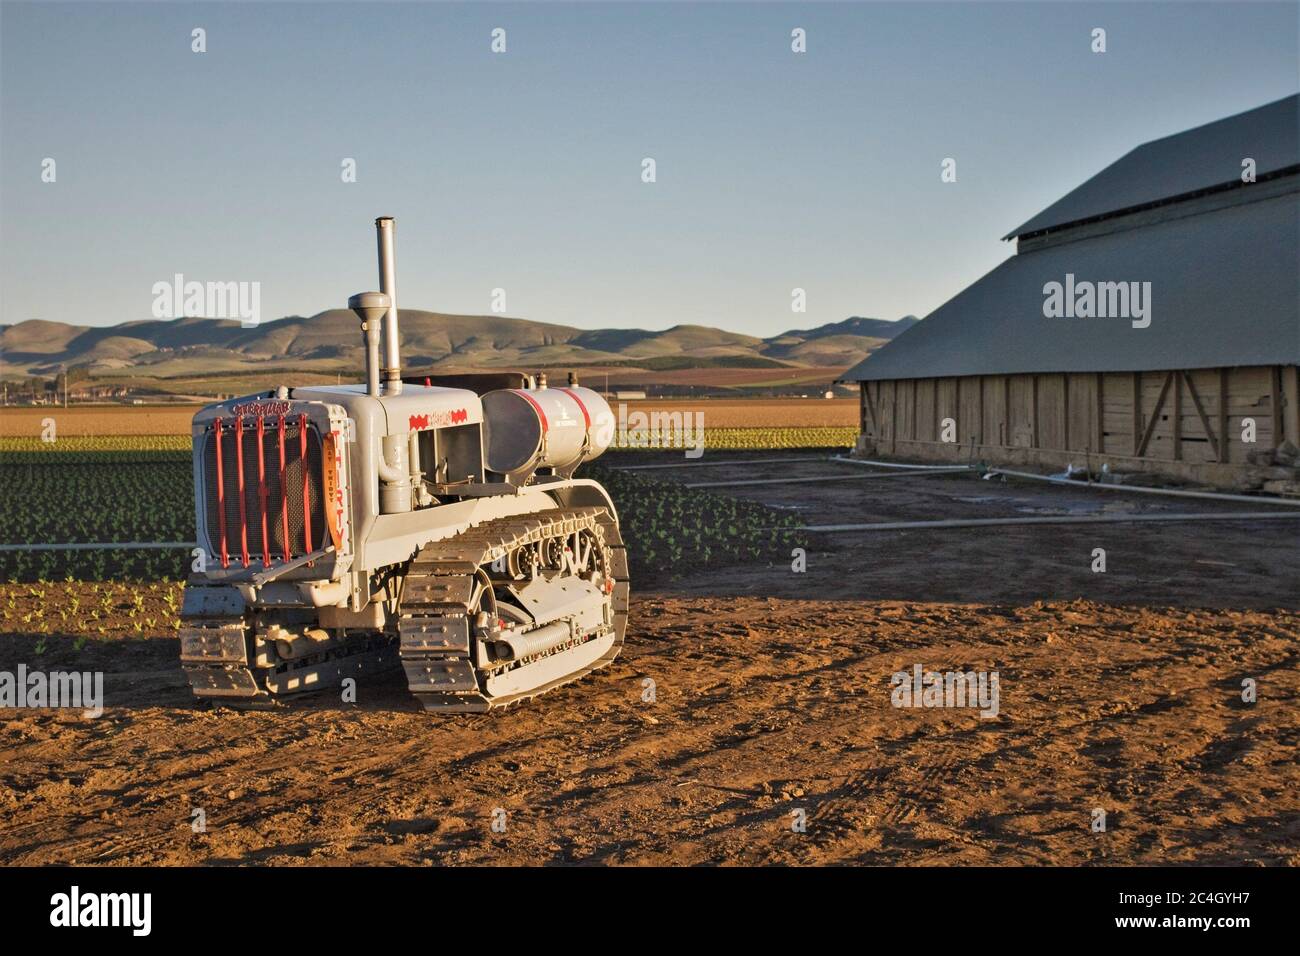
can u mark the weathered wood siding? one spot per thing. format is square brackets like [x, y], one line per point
[1187, 423]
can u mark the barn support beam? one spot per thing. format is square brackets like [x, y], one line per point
[1065, 409]
[1137, 414]
[1291, 411]
[1101, 413]
[1033, 410]
[1155, 417]
[1205, 419]
[1225, 446]
[1275, 402]
[1177, 378]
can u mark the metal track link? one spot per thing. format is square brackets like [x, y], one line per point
[217, 638]
[436, 623]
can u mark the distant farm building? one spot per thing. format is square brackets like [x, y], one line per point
[1149, 319]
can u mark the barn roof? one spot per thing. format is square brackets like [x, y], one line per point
[1224, 289]
[1183, 164]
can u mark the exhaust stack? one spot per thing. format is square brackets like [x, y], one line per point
[392, 371]
[370, 307]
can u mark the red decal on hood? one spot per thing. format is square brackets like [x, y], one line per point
[437, 419]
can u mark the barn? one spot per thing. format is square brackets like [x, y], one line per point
[1149, 319]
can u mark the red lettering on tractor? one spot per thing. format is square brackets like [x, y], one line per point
[438, 419]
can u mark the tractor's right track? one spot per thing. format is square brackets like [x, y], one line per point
[437, 625]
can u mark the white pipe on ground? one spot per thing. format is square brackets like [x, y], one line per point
[1170, 492]
[1081, 485]
[822, 478]
[895, 464]
[720, 464]
[1053, 519]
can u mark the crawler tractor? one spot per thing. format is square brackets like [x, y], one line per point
[435, 523]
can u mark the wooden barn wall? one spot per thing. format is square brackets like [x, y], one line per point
[1191, 420]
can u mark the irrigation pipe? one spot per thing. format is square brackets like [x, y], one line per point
[719, 464]
[895, 464]
[1053, 519]
[1171, 492]
[818, 479]
[1092, 485]
[102, 546]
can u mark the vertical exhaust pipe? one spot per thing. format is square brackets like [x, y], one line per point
[392, 371]
[396, 457]
[399, 470]
[370, 307]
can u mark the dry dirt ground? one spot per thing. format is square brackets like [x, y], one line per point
[771, 704]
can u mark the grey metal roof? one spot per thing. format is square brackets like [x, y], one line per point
[1186, 162]
[1225, 290]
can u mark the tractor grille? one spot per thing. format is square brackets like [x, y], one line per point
[279, 514]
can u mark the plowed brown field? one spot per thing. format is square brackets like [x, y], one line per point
[762, 709]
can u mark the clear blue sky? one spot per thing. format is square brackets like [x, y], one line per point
[522, 170]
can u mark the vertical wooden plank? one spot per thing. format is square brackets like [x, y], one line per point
[934, 413]
[1275, 402]
[1006, 411]
[1178, 415]
[916, 424]
[980, 439]
[1101, 414]
[1137, 413]
[1065, 411]
[1033, 408]
[1225, 442]
[893, 419]
[1291, 413]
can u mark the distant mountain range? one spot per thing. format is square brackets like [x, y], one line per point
[330, 342]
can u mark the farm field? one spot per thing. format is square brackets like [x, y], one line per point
[772, 691]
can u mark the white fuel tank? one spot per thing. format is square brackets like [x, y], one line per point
[559, 427]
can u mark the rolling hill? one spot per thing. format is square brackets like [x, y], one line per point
[330, 342]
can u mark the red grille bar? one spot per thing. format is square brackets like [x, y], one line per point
[239, 467]
[284, 496]
[261, 486]
[306, 512]
[221, 498]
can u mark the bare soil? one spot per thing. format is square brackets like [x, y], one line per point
[1120, 692]
[771, 701]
